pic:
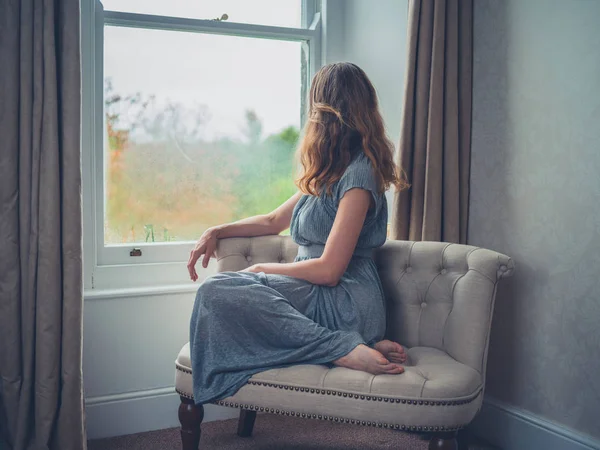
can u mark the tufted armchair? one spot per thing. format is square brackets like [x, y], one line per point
[440, 299]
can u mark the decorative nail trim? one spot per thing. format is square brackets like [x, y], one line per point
[416, 402]
[183, 394]
[393, 426]
[351, 395]
[183, 369]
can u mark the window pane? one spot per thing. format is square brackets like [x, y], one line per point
[200, 130]
[281, 13]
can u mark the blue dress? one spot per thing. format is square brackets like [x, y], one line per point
[244, 323]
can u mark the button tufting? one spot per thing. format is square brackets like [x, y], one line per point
[444, 271]
[423, 305]
[249, 258]
[409, 269]
[503, 268]
[282, 261]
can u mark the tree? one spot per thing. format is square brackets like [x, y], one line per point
[254, 127]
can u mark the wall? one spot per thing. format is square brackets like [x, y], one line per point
[535, 195]
[375, 39]
[131, 338]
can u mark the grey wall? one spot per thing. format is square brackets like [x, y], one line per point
[535, 195]
[374, 36]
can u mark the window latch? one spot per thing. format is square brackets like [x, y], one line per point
[136, 252]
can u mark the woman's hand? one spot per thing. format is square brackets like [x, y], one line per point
[206, 245]
[256, 268]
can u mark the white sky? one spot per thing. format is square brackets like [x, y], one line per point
[227, 74]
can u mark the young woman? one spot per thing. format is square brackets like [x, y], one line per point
[328, 305]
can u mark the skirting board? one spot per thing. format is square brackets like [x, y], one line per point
[136, 412]
[502, 425]
[510, 428]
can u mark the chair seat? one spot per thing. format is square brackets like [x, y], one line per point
[435, 392]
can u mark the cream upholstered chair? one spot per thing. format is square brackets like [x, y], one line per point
[440, 299]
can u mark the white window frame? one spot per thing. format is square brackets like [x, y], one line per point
[112, 267]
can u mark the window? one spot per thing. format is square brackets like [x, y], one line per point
[190, 121]
[191, 144]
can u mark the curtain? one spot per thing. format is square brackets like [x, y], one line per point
[41, 398]
[435, 140]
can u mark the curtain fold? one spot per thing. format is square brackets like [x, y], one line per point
[41, 394]
[435, 140]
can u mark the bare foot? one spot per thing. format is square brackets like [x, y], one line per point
[368, 360]
[393, 351]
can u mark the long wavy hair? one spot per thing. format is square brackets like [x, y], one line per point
[344, 121]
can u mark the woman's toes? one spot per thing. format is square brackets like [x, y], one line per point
[394, 366]
[394, 369]
[400, 351]
[382, 361]
[397, 357]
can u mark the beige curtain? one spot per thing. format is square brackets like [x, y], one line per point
[41, 401]
[435, 140]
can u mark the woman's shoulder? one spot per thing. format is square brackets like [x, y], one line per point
[361, 167]
[361, 160]
[359, 173]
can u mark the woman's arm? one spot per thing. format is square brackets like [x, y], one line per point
[272, 223]
[329, 268]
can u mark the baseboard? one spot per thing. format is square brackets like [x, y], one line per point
[136, 412]
[500, 424]
[511, 428]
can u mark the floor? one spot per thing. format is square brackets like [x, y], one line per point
[272, 432]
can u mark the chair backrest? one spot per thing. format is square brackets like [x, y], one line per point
[437, 294]
[235, 254]
[441, 295]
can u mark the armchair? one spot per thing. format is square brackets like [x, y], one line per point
[440, 300]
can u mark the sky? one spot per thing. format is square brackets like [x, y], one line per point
[227, 74]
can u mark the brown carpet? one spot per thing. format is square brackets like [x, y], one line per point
[272, 432]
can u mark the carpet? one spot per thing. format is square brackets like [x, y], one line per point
[273, 432]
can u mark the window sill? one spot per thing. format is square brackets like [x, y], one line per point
[145, 278]
[144, 291]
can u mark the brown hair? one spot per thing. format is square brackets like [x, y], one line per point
[343, 121]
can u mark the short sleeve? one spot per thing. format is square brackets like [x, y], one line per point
[359, 174]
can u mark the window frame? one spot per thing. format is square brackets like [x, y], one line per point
[112, 267]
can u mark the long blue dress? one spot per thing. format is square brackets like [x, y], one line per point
[244, 323]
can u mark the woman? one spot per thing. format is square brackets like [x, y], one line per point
[328, 305]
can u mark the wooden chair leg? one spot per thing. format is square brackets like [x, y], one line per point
[190, 417]
[246, 423]
[443, 441]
